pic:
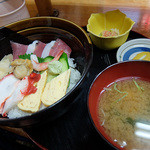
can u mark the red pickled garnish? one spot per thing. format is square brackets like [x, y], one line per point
[33, 78]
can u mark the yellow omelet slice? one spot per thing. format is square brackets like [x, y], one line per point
[32, 102]
[56, 88]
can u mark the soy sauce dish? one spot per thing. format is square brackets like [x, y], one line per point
[46, 61]
[118, 104]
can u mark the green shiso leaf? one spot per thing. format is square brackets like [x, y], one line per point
[40, 59]
[27, 56]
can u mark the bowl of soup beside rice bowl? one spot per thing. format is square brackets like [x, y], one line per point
[118, 103]
[44, 61]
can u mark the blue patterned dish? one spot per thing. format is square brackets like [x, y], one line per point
[131, 48]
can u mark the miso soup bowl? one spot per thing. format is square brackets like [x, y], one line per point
[46, 29]
[103, 79]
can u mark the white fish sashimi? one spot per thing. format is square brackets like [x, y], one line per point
[31, 47]
[7, 86]
[17, 95]
[47, 49]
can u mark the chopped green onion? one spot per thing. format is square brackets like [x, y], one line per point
[115, 88]
[139, 88]
[121, 98]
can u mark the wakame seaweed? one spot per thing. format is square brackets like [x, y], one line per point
[130, 121]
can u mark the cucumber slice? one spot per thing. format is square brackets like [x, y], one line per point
[65, 65]
[50, 77]
[64, 60]
[48, 59]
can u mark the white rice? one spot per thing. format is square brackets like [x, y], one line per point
[74, 78]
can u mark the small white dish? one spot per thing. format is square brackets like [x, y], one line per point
[131, 48]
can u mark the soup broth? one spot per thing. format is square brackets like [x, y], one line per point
[124, 112]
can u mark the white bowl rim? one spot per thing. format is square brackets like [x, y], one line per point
[123, 47]
[14, 10]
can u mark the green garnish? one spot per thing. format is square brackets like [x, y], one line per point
[27, 56]
[40, 59]
[139, 88]
[121, 98]
[130, 121]
[115, 88]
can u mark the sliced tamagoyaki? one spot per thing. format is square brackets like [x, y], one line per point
[32, 102]
[56, 88]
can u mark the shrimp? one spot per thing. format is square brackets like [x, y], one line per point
[43, 66]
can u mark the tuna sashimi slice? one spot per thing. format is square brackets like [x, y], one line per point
[58, 46]
[7, 86]
[16, 96]
[18, 49]
[39, 49]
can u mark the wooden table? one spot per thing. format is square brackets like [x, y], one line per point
[79, 11]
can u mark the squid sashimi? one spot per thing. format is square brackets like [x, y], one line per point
[16, 96]
[7, 85]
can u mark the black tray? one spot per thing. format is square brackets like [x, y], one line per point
[74, 130]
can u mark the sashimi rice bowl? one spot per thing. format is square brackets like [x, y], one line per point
[35, 76]
[44, 61]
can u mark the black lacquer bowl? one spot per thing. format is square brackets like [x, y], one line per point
[46, 29]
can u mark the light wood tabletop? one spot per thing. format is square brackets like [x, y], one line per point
[79, 11]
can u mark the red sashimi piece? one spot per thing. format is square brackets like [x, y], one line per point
[32, 78]
[21, 49]
[58, 46]
[18, 49]
[39, 49]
